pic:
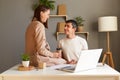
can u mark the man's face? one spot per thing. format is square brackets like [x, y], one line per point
[68, 29]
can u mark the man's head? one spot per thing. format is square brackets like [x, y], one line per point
[70, 27]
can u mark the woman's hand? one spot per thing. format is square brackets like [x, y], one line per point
[56, 55]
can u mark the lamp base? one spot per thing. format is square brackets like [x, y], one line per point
[108, 56]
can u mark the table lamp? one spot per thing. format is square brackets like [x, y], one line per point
[107, 24]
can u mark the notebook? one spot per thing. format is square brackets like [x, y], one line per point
[88, 60]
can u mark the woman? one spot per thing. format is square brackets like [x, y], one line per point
[36, 45]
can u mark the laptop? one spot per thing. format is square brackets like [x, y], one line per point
[88, 60]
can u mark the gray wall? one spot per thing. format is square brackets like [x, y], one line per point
[15, 15]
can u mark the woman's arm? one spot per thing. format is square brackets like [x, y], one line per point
[40, 40]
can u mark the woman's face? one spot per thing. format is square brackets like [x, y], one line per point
[45, 15]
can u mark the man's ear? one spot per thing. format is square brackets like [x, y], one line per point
[75, 29]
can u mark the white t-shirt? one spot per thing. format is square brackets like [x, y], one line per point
[72, 47]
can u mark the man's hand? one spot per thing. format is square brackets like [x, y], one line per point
[72, 62]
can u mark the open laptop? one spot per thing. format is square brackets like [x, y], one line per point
[88, 60]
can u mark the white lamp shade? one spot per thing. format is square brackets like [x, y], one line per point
[107, 23]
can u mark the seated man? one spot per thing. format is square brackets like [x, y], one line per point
[72, 44]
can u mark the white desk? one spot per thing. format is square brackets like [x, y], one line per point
[100, 73]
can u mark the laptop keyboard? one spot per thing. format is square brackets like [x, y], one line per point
[68, 68]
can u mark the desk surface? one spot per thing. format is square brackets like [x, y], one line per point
[99, 71]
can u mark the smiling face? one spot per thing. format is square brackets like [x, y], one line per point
[68, 29]
[44, 15]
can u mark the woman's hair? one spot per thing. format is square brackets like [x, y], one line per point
[37, 16]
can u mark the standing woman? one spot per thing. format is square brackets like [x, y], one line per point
[35, 40]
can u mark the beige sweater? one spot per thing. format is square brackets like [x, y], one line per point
[36, 40]
[37, 47]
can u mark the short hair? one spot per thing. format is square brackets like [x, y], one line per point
[74, 23]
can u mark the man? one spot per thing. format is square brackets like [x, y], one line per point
[72, 45]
